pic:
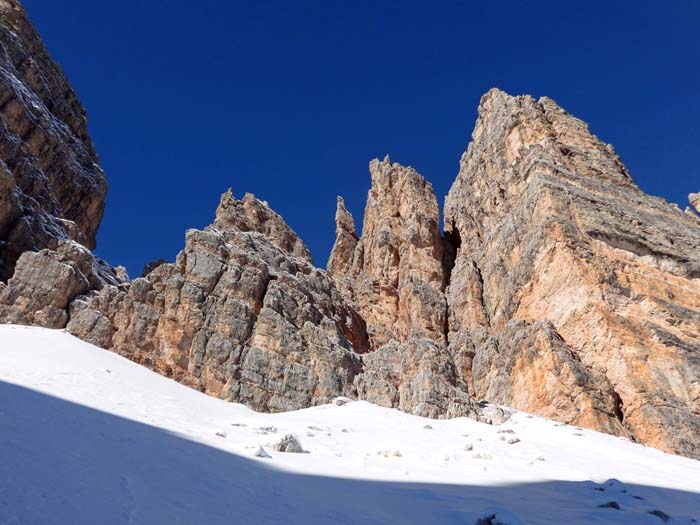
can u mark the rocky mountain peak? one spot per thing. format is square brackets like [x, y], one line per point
[342, 255]
[394, 271]
[564, 264]
[250, 214]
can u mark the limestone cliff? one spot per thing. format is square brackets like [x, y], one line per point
[51, 187]
[394, 272]
[242, 314]
[574, 294]
[394, 276]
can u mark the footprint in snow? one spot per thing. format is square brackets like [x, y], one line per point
[498, 517]
[660, 514]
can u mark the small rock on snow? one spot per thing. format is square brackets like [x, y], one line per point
[261, 453]
[288, 443]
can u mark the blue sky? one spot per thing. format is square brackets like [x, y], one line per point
[290, 100]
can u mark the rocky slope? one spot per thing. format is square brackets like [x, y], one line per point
[51, 187]
[558, 287]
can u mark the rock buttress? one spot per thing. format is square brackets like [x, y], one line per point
[574, 294]
[51, 187]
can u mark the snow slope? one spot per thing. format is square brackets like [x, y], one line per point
[87, 437]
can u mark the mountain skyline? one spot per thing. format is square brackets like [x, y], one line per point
[292, 103]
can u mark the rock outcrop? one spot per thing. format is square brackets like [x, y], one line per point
[559, 287]
[242, 314]
[694, 199]
[394, 272]
[51, 187]
[394, 275]
[573, 294]
[45, 283]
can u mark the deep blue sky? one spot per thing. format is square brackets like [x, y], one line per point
[290, 100]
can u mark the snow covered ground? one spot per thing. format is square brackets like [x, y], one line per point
[87, 437]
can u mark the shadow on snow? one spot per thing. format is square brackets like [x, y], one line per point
[63, 463]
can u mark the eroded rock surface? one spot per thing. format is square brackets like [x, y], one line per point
[394, 272]
[45, 283]
[242, 314]
[51, 187]
[694, 199]
[573, 294]
[394, 275]
[417, 376]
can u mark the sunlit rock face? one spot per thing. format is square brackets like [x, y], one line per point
[394, 271]
[573, 294]
[51, 187]
[394, 275]
[242, 314]
[694, 199]
[557, 286]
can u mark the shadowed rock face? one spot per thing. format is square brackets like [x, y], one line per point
[51, 187]
[552, 230]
